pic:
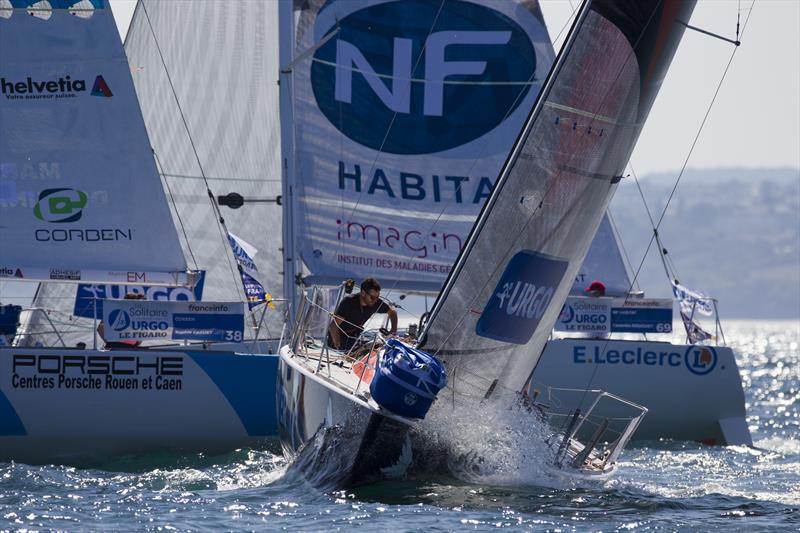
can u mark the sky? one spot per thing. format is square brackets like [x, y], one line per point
[755, 120]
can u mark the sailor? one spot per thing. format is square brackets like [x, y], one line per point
[353, 312]
[596, 289]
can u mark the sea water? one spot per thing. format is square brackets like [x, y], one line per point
[659, 485]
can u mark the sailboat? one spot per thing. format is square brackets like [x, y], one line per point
[82, 203]
[633, 357]
[506, 289]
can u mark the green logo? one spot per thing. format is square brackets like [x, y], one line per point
[60, 205]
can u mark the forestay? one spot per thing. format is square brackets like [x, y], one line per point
[80, 196]
[404, 112]
[506, 290]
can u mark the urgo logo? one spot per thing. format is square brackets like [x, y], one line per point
[60, 205]
[119, 320]
[438, 86]
[700, 360]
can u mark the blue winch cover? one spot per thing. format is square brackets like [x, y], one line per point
[407, 380]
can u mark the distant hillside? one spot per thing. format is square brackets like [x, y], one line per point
[734, 233]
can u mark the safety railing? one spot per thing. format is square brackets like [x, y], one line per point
[582, 438]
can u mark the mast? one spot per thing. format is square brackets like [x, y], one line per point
[286, 48]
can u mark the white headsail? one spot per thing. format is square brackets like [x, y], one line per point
[221, 59]
[506, 290]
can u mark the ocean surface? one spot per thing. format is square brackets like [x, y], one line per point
[659, 485]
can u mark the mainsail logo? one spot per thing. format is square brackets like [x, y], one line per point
[100, 88]
[437, 89]
[521, 297]
[63, 87]
[119, 320]
[60, 205]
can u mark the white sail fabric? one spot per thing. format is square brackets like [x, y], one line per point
[604, 263]
[222, 59]
[404, 112]
[80, 197]
[501, 301]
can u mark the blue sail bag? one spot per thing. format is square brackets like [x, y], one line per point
[407, 380]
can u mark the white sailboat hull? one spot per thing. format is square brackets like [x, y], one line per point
[85, 406]
[335, 438]
[689, 394]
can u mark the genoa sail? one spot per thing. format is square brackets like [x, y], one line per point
[403, 113]
[76, 168]
[504, 295]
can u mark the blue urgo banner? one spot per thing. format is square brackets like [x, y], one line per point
[521, 297]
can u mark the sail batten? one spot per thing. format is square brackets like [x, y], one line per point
[524, 252]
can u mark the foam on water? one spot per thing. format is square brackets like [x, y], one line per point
[491, 444]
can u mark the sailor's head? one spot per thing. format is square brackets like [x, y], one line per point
[596, 288]
[134, 296]
[370, 291]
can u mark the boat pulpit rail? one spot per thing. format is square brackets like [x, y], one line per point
[581, 438]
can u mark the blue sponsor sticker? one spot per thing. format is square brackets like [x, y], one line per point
[636, 320]
[434, 75]
[89, 296]
[211, 327]
[521, 297]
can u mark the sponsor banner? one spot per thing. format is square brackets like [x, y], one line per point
[521, 297]
[400, 131]
[137, 320]
[89, 296]
[76, 372]
[698, 360]
[641, 315]
[585, 315]
[73, 151]
[582, 314]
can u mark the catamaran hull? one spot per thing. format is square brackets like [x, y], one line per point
[691, 392]
[85, 406]
[334, 439]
